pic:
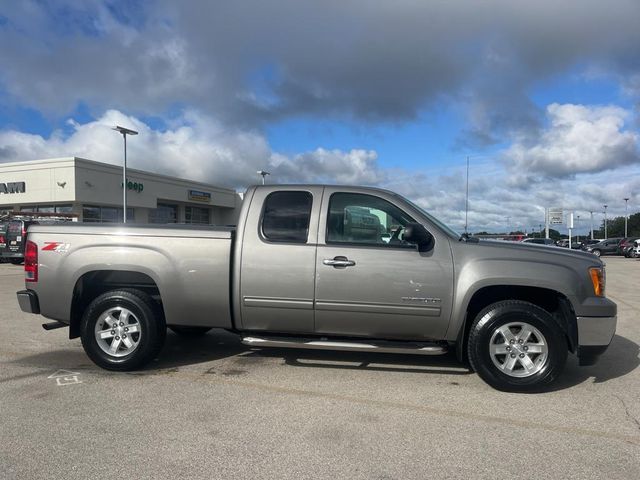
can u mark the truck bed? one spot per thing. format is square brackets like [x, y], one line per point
[189, 265]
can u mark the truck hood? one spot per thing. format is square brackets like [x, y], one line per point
[532, 251]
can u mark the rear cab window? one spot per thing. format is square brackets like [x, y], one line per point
[286, 217]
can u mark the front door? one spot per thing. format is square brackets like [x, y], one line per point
[369, 281]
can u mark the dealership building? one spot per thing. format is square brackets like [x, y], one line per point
[93, 191]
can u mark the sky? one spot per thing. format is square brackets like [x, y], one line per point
[542, 97]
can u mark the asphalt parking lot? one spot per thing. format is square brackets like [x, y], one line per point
[212, 408]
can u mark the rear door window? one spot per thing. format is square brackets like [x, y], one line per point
[286, 216]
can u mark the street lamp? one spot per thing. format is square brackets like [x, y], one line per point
[577, 228]
[263, 174]
[124, 132]
[591, 213]
[605, 222]
[626, 203]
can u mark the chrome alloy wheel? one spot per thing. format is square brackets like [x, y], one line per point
[518, 349]
[118, 332]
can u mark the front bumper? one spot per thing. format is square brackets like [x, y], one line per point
[28, 301]
[594, 336]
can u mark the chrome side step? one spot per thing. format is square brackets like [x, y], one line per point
[411, 348]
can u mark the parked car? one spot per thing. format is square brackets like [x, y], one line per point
[310, 266]
[625, 244]
[564, 243]
[604, 247]
[3, 239]
[15, 238]
[540, 241]
[635, 251]
[585, 243]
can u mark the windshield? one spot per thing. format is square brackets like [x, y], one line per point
[448, 230]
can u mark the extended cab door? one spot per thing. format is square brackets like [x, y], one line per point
[369, 281]
[277, 259]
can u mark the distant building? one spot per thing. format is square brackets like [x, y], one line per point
[93, 191]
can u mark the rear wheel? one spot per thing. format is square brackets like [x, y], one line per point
[122, 330]
[189, 331]
[516, 346]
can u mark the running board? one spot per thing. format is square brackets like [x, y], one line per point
[411, 348]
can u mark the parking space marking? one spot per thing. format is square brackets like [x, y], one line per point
[65, 377]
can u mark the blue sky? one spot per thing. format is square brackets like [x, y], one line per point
[543, 98]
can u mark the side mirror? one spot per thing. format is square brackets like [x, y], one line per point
[416, 233]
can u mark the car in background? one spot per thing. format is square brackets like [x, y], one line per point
[589, 241]
[604, 247]
[564, 243]
[635, 249]
[540, 241]
[15, 235]
[625, 244]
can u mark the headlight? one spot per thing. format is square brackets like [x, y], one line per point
[598, 280]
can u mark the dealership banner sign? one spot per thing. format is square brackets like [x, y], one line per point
[198, 196]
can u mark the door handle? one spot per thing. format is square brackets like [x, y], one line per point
[338, 262]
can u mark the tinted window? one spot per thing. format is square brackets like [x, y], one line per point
[365, 219]
[286, 217]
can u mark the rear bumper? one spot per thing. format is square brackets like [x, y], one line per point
[28, 301]
[594, 336]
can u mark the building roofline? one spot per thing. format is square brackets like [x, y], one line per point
[110, 166]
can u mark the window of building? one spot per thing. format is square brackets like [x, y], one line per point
[48, 208]
[286, 217]
[97, 214]
[165, 213]
[199, 215]
[365, 219]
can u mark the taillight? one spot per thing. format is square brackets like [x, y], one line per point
[31, 262]
[24, 232]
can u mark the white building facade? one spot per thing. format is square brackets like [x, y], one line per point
[93, 191]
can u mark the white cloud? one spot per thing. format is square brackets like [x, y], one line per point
[196, 147]
[579, 139]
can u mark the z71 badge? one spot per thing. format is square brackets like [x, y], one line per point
[55, 247]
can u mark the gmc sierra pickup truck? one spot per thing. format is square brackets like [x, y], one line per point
[323, 267]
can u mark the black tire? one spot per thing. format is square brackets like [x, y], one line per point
[596, 252]
[485, 327]
[151, 325]
[189, 331]
[16, 261]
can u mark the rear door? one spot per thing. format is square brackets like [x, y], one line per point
[277, 264]
[369, 281]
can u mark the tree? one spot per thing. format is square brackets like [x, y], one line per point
[615, 227]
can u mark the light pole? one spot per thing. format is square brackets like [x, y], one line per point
[466, 201]
[605, 222]
[124, 132]
[263, 174]
[626, 203]
[591, 213]
[577, 228]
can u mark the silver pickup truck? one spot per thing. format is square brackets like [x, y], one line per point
[323, 267]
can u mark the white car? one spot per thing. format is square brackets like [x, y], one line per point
[636, 249]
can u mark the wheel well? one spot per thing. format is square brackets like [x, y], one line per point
[550, 300]
[95, 283]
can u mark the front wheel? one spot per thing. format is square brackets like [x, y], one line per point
[122, 330]
[516, 346]
[597, 253]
